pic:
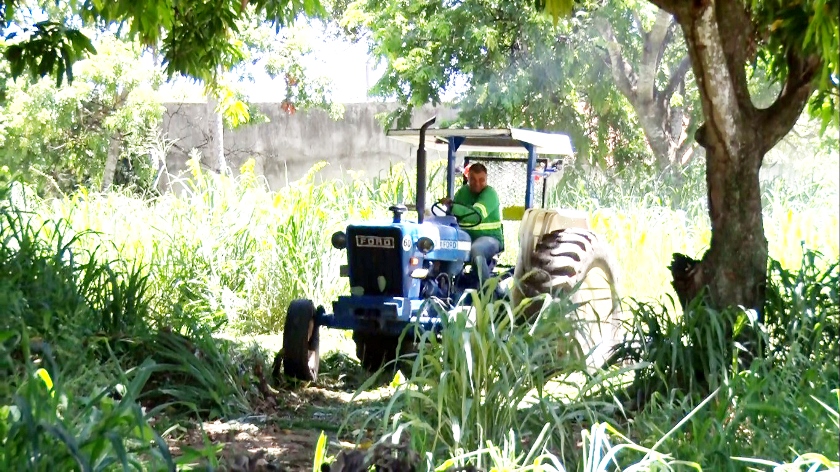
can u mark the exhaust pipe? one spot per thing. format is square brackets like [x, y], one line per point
[421, 171]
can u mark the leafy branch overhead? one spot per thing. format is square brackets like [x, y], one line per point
[615, 76]
[193, 37]
[796, 41]
[51, 48]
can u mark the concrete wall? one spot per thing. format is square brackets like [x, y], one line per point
[288, 145]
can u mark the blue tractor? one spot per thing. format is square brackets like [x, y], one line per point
[405, 273]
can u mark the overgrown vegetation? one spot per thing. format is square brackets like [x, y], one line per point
[126, 306]
[766, 393]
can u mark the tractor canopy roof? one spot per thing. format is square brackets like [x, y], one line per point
[507, 140]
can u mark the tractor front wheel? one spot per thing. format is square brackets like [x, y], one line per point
[300, 341]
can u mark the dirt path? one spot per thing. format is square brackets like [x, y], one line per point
[283, 430]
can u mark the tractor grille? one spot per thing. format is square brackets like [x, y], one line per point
[368, 259]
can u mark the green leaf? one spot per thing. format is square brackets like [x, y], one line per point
[47, 63]
[68, 70]
[119, 448]
[61, 434]
[6, 335]
[14, 54]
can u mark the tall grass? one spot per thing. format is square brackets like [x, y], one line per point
[226, 252]
[488, 375]
[630, 188]
[48, 427]
[229, 253]
[647, 218]
[95, 315]
[494, 395]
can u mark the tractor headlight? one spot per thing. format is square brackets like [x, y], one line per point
[339, 240]
[425, 245]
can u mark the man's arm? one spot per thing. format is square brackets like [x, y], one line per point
[461, 200]
[487, 202]
[457, 198]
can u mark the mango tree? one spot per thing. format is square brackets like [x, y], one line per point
[798, 43]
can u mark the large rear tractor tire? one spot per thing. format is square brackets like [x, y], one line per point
[376, 350]
[300, 342]
[575, 257]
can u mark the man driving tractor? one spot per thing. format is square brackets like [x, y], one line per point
[475, 196]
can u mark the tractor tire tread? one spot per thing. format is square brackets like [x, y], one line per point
[563, 259]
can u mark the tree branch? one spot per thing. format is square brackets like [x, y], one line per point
[653, 46]
[778, 119]
[677, 77]
[734, 21]
[673, 26]
[677, 114]
[639, 25]
[688, 138]
[687, 156]
[717, 87]
[622, 73]
[674, 7]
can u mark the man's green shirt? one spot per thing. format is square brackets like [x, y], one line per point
[486, 204]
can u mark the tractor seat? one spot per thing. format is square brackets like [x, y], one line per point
[513, 213]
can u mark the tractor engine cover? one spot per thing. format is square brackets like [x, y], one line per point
[380, 258]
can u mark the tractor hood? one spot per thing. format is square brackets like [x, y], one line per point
[450, 244]
[381, 257]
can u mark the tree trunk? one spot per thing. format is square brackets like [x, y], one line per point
[735, 266]
[111, 161]
[217, 134]
[661, 122]
[114, 143]
[654, 122]
[734, 269]
[736, 136]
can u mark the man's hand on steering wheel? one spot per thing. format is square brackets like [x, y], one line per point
[444, 206]
[471, 212]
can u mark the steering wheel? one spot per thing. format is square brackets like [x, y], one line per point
[460, 219]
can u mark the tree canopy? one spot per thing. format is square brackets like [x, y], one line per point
[97, 120]
[612, 77]
[193, 37]
[59, 137]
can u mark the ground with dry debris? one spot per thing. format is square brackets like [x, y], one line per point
[282, 432]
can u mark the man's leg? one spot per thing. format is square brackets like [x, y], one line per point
[486, 247]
